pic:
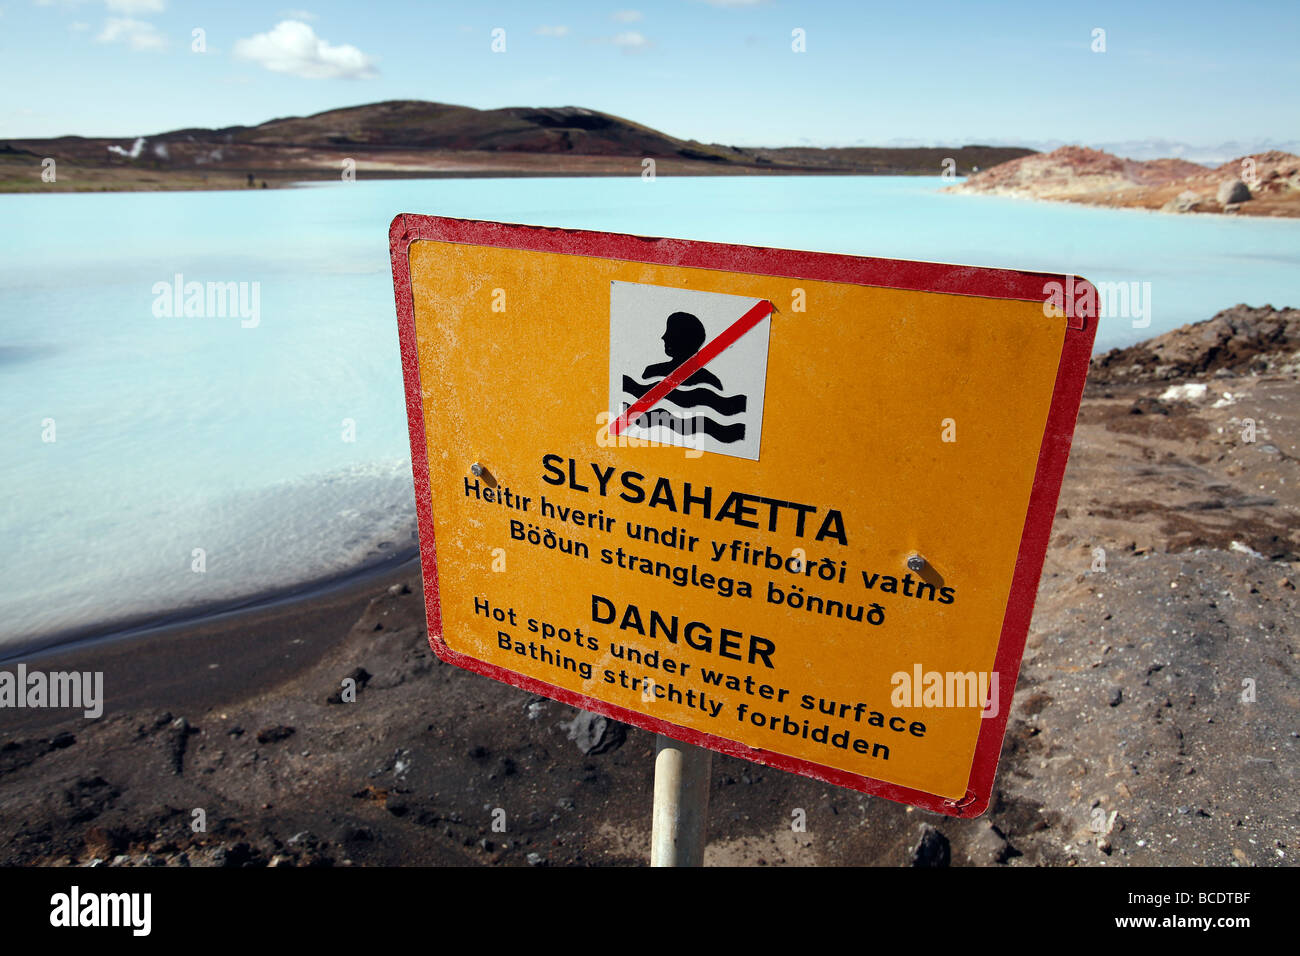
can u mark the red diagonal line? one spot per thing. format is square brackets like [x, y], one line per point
[693, 364]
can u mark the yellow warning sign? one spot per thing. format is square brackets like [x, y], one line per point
[788, 506]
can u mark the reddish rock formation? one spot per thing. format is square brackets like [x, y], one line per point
[1079, 174]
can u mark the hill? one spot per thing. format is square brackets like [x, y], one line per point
[415, 138]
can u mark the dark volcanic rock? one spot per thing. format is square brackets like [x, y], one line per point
[595, 734]
[359, 675]
[270, 735]
[1240, 339]
[88, 797]
[932, 850]
[178, 736]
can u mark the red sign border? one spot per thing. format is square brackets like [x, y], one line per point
[818, 266]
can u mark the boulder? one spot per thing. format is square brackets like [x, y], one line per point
[1232, 191]
[932, 849]
[595, 734]
[1185, 201]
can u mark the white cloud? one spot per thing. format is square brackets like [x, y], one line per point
[135, 6]
[631, 40]
[626, 16]
[293, 47]
[137, 34]
[552, 31]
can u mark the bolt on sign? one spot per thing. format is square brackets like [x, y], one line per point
[786, 505]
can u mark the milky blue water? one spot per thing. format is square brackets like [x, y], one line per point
[195, 461]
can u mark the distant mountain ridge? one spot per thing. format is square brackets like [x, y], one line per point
[420, 124]
[417, 138]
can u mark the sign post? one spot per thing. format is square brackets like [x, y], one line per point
[681, 803]
[788, 506]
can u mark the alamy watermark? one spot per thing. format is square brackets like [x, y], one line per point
[1110, 300]
[208, 300]
[922, 688]
[127, 910]
[74, 689]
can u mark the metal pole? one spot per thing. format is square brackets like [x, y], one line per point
[681, 803]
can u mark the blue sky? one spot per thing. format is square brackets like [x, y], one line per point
[714, 70]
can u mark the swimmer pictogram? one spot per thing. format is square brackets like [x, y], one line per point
[701, 394]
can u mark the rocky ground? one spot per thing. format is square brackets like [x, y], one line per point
[1156, 720]
[1263, 184]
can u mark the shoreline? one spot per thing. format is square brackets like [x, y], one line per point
[305, 179]
[1240, 213]
[199, 663]
[92, 637]
[298, 180]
